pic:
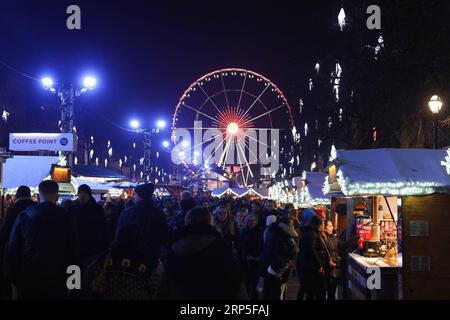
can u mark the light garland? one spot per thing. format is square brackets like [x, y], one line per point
[386, 188]
[446, 163]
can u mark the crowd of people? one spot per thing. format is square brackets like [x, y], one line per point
[191, 247]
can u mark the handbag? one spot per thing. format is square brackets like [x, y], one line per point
[331, 260]
[100, 283]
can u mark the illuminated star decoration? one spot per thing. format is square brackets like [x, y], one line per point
[5, 115]
[446, 163]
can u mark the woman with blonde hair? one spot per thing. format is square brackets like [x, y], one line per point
[225, 224]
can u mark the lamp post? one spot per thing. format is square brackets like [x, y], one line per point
[67, 94]
[148, 136]
[435, 105]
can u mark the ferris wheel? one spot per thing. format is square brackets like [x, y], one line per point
[242, 109]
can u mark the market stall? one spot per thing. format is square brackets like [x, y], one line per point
[259, 193]
[31, 170]
[310, 191]
[396, 202]
[285, 191]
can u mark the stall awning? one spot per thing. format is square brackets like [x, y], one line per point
[96, 172]
[26, 170]
[96, 187]
[396, 172]
[261, 192]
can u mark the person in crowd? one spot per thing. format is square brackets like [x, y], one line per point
[91, 224]
[240, 217]
[122, 273]
[313, 260]
[187, 202]
[251, 247]
[278, 258]
[256, 209]
[42, 244]
[269, 221]
[227, 227]
[288, 227]
[200, 264]
[295, 220]
[22, 202]
[150, 220]
[333, 271]
[67, 203]
[168, 213]
[112, 215]
[269, 209]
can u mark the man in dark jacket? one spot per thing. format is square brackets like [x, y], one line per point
[187, 202]
[200, 265]
[43, 243]
[90, 223]
[23, 201]
[150, 220]
[278, 259]
[313, 260]
[112, 218]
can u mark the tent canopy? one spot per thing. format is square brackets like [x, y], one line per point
[26, 170]
[96, 172]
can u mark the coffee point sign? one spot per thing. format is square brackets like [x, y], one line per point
[41, 142]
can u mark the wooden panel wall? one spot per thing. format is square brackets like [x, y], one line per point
[435, 284]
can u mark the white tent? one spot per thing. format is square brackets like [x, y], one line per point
[26, 170]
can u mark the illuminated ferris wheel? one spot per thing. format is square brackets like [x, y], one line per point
[242, 109]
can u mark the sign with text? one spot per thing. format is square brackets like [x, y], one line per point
[41, 142]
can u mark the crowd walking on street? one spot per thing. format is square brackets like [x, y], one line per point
[170, 248]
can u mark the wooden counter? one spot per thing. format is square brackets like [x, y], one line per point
[391, 278]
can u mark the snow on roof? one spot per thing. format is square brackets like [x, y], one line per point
[313, 192]
[392, 171]
[26, 170]
[218, 192]
[262, 192]
[95, 186]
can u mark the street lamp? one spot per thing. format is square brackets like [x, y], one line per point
[67, 94]
[135, 124]
[166, 144]
[148, 136]
[161, 124]
[435, 105]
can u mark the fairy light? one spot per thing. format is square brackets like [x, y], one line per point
[342, 19]
[446, 163]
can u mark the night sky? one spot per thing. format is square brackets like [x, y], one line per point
[145, 54]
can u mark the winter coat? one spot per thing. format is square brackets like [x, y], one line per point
[251, 243]
[176, 222]
[280, 248]
[11, 214]
[312, 253]
[91, 226]
[111, 225]
[334, 249]
[200, 266]
[43, 243]
[152, 225]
